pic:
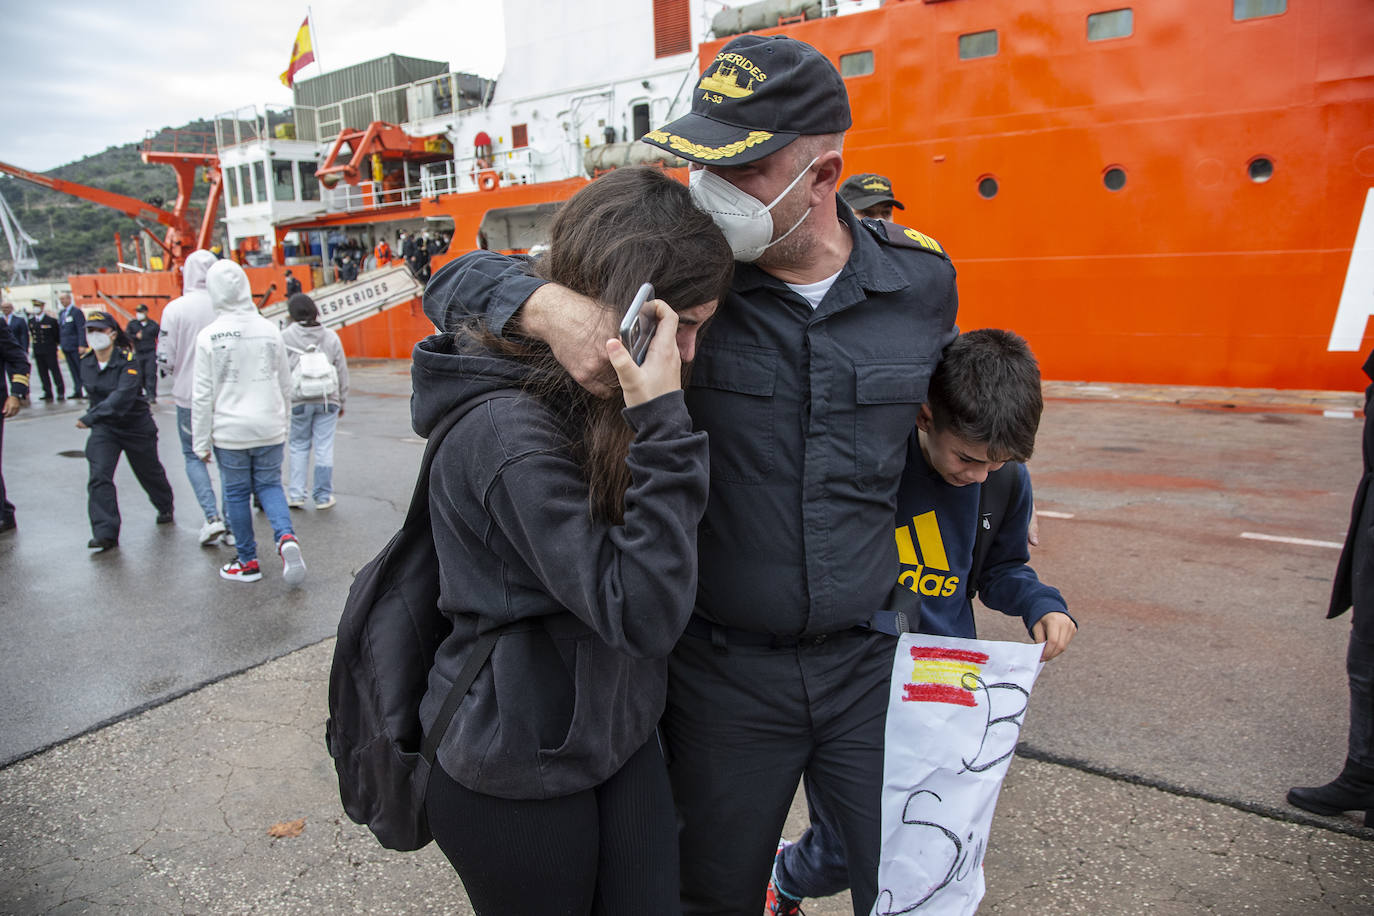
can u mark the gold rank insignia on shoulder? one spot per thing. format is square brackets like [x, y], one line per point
[902, 237]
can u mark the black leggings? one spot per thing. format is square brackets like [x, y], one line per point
[609, 850]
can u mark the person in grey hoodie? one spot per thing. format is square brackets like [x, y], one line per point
[239, 402]
[315, 411]
[570, 523]
[183, 319]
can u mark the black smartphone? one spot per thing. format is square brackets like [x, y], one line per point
[638, 326]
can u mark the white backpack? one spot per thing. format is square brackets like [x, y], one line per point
[314, 376]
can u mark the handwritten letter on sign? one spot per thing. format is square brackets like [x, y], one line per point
[953, 717]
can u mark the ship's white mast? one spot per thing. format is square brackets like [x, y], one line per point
[21, 252]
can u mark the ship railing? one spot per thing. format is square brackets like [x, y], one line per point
[249, 125]
[369, 195]
[179, 141]
[410, 105]
[467, 174]
[413, 105]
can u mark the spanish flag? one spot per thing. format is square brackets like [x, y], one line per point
[301, 54]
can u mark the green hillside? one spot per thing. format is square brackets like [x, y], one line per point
[76, 236]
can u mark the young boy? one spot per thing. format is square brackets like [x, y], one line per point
[963, 515]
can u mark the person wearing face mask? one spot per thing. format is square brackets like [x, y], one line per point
[808, 386]
[120, 423]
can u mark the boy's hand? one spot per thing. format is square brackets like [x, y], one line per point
[1056, 630]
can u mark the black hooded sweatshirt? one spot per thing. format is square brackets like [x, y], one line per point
[563, 703]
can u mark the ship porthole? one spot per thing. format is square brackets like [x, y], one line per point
[1261, 169]
[987, 187]
[1114, 179]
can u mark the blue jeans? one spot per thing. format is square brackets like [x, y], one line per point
[312, 425]
[243, 471]
[196, 470]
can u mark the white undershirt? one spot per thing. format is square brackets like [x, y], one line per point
[813, 293]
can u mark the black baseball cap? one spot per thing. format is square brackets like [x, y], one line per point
[867, 190]
[759, 94]
[101, 320]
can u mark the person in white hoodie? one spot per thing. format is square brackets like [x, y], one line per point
[317, 401]
[182, 319]
[239, 403]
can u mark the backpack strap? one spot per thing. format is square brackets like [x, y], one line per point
[417, 515]
[993, 499]
[480, 653]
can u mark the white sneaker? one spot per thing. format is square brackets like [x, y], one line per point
[210, 531]
[295, 502]
[227, 539]
[325, 503]
[293, 565]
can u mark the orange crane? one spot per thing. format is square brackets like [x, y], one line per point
[181, 237]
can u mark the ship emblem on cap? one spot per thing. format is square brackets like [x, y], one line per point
[726, 81]
[877, 184]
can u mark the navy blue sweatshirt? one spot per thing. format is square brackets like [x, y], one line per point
[936, 523]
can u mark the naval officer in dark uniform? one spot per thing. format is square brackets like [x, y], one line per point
[120, 422]
[808, 383]
[44, 332]
[14, 388]
[143, 332]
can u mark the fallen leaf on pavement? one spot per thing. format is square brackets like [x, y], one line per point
[287, 828]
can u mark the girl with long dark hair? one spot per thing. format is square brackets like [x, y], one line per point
[569, 522]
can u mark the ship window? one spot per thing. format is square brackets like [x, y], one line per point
[639, 113]
[260, 175]
[1110, 24]
[310, 185]
[987, 187]
[231, 185]
[860, 63]
[978, 44]
[519, 136]
[1256, 9]
[1261, 169]
[1114, 179]
[245, 184]
[672, 28]
[283, 185]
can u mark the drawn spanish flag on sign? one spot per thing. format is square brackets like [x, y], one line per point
[302, 53]
[944, 676]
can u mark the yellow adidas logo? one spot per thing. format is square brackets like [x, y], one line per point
[931, 556]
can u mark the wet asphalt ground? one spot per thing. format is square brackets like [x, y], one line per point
[1190, 531]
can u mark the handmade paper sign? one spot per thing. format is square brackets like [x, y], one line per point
[953, 718]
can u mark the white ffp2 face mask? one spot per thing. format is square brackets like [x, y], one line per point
[744, 219]
[98, 341]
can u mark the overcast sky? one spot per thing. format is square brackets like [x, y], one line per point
[79, 75]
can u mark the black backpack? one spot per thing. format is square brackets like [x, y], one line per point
[389, 632]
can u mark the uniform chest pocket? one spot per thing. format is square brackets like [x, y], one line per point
[888, 395]
[731, 396]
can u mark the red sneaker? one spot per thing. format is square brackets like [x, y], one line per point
[241, 572]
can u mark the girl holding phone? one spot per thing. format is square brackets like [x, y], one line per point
[569, 522]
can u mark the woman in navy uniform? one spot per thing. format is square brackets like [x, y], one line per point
[119, 421]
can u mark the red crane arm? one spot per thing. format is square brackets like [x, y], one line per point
[129, 206]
